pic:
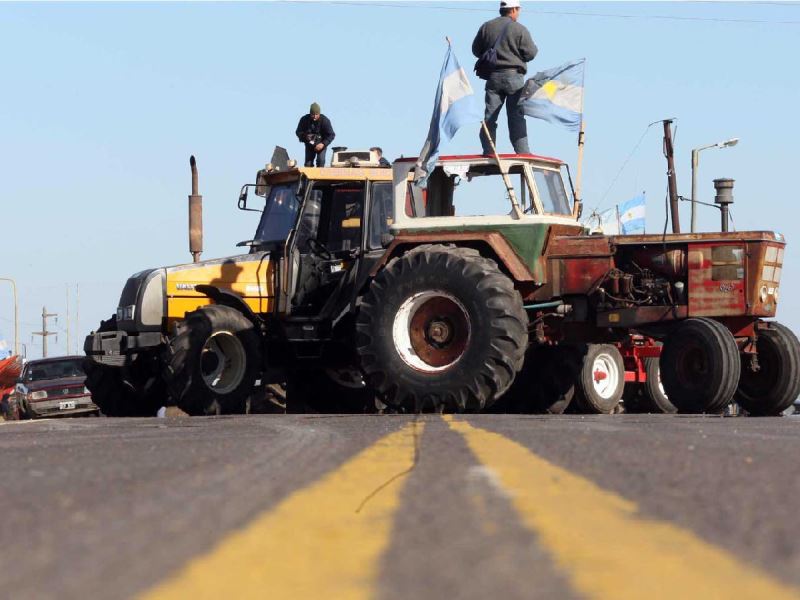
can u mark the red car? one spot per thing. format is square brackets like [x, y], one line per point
[53, 387]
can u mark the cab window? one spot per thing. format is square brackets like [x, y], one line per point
[381, 213]
[341, 211]
[551, 191]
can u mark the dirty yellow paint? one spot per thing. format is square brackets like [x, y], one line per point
[606, 548]
[251, 279]
[323, 541]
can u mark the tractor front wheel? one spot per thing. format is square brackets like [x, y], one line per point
[774, 385]
[700, 366]
[441, 328]
[213, 361]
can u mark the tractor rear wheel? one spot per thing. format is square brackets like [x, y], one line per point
[601, 380]
[700, 366]
[213, 361]
[441, 328]
[776, 384]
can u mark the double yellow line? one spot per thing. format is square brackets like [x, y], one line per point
[326, 540]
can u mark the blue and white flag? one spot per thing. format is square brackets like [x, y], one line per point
[631, 215]
[556, 95]
[453, 107]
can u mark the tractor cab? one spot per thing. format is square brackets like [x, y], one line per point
[468, 190]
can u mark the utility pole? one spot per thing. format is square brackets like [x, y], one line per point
[68, 344]
[44, 333]
[672, 182]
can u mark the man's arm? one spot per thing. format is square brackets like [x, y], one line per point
[300, 132]
[477, 43]
[527, 49]
[327, 131]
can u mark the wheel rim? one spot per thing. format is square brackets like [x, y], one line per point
[692, 366]
[222, 362]
[605, 376]
[431, 331]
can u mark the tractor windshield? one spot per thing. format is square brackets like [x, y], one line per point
[280, 214]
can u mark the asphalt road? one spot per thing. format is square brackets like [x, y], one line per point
[390, 507]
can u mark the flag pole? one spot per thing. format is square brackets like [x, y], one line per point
[516, 211]
[576, 210]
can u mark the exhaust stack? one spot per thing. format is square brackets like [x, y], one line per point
[195, 216]
[724, 198]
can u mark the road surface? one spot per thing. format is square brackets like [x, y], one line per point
[391, 507]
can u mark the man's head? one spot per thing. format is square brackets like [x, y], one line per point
[378, 150]
[314, 111]
[510, 8]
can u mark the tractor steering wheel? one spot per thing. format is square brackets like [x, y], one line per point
[319, 249]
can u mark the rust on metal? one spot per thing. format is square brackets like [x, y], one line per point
[439, 332]
[642, 315]
[499, 245]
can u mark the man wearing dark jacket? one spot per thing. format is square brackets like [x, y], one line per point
[515, 48]
[316, 133]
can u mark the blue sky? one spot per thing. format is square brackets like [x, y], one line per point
[101, 105]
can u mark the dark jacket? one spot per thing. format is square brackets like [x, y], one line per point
[321, 130]
[514, 51]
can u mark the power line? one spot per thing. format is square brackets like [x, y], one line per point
[410, 5]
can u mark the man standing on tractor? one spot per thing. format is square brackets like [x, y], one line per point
[316, 133]
[503, 48]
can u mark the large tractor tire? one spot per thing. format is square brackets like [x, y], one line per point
[776, 384]
[700, 366]
[213, 361]
[648, 397]
[441, 328]
[601, 380]
[328, 391]
[131, 392]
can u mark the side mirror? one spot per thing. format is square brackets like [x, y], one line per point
[243, 198]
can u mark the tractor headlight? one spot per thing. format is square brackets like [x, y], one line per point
[125, 313]
[38, 395]
[762, 294]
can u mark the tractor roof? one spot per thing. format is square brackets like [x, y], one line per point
[463, 157]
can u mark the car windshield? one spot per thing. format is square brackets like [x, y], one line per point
[53, 369]
[280, 214]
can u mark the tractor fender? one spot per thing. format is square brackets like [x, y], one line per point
[230, 299]
[492, 244]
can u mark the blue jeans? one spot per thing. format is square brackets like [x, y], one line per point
[505, 86]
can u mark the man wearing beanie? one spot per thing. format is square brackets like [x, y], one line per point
[515, 48]
[316, 133]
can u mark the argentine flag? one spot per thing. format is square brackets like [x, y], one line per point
[556, 95]
[631, 215]
[453, 107]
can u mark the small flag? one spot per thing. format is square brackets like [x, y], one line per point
[556, 95]
[631, 215]
[453, 107]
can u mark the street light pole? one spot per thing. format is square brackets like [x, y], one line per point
[16, 313]
[695, 164]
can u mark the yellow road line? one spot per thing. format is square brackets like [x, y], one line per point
[598, 538]
[323, 541]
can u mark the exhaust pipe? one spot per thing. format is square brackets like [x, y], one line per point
[724, 197]
[195, 216]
